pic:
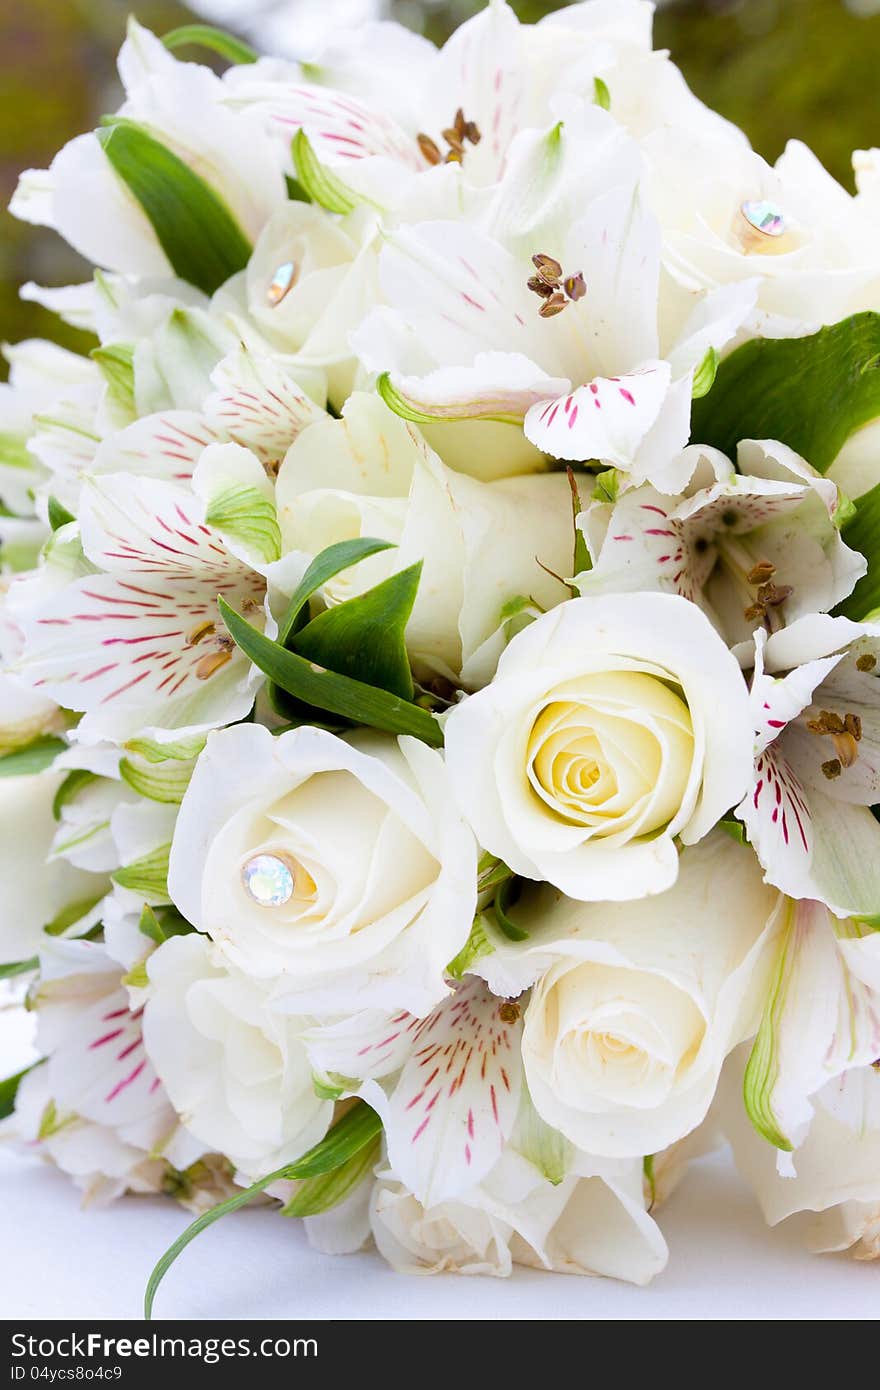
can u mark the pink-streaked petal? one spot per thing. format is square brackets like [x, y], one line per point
[341, 128]
[499, 385]
[607, 419]
[257, 405]
[779, 822]
[644, 547]
[456, 1101]
[777, 700]
[167, 446]
[150, 527]
[104, 1068]
[365, 1046]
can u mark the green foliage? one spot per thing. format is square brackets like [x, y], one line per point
[199, 235]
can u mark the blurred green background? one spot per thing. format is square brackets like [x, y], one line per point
[778, 68]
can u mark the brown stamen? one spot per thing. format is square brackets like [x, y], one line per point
[831, 769]
[200, 630]
[554, 305]
[508, 1012]
[575, 287]
[461, 132]
[429, 149]
[866, 662]
[761, 572]
[550, 286]
[211, 662]
[846, 748]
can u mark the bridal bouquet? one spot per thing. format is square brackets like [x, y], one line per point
[440, 710]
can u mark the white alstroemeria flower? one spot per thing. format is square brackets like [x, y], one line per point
[628, 1024]
[821, 1019]
[576, 351]
[816, 709]
[835, 1188]
[234, 1068]
[135, 640]
[751, 544]
[373, 871]
[592, 1222]
[96, 1108]
[83, 198]
[612, 728]
[481, 544]
[448, 1086]
[727, 217]
[393, 121]
[35, 886]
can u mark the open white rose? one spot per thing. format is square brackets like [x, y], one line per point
[626, 1030]
[585, 1224]
[613, 726]
[362, 874]
[481, 544]
[234, 1069]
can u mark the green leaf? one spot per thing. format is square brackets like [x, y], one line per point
[607, 486]
[18, 967]
[507, 894]
[862, 532]
[734, 828]
[357, 1128]
[199, 235]
[70, 915]
[160, 923]
[217, 40]
[147, 875]
[325, 566]
[320, 1194]
[249, 517]
[581, 559]
[762, 1069]
[401, 406]
[491, 872]
[810, 393]
[601, 94]
[364, 636]
[58, 515]
[116, 361]
[9, 1089]
[70, 788]
[704, 376]
[476, 946]
[326, 690]
[295, 191]
[321, 186]
[35, 756]
[648, 1172]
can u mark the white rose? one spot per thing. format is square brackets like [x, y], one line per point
[626, 1031]
[481, 544]
[375, 870]
[836, 1176]
[613, 726]
[589, 1224]
[234, 1069]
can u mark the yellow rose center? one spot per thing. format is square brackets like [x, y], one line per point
[612, 752]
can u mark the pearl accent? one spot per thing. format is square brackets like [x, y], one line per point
[268, 879]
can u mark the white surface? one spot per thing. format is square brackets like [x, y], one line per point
[60, 1261]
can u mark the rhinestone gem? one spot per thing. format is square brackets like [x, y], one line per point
[282, 281]
[765, 217]
[268, 879]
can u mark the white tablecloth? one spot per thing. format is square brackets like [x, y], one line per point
[60, 1261]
